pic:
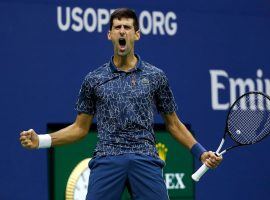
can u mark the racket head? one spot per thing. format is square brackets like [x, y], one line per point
[248, 119]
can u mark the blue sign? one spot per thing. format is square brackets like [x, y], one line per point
[210, 51]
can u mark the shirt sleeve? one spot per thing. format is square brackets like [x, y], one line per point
[164, 98]
[86, 102]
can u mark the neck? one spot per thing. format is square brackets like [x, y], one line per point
[125, 63]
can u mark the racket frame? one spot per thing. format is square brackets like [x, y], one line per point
[203, 169]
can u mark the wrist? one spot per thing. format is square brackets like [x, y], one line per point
[44, 141]
[197, 150]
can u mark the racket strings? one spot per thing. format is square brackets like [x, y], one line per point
[249, 118]
[243, 130]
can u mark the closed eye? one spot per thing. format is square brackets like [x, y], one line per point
[117, 27]
[126, 27]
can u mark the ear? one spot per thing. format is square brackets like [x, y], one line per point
[109, 35]
[137, 35]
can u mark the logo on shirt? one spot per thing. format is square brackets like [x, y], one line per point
[162, 151]
[145, 81]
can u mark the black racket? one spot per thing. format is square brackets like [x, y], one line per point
[248, 122]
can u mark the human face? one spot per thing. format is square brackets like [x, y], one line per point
[123, 36]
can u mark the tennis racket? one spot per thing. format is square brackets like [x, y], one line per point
[248, 122]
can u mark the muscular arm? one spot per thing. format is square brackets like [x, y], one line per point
[178, 130]
[74, 132]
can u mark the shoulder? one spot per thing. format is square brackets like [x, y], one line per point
[98, 74]
[100, 71]
[153, 70]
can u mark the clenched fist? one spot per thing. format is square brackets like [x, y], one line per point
[29, 139]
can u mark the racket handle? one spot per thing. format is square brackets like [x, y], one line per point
[198, 174]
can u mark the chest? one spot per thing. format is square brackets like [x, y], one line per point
[126, 86]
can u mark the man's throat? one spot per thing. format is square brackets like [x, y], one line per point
[125, 63]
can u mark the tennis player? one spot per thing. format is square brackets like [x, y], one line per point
[123, 95]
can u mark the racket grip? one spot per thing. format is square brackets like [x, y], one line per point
[198, 174]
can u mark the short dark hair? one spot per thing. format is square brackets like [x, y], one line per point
[125, 13]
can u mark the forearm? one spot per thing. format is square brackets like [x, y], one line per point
[179, 131]
[68, 135]
[74, 132]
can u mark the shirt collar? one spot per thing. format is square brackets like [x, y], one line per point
[138, 66]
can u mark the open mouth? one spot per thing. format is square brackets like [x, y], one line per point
[122, 43]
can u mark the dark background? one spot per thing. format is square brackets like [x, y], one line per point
[42, 68]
